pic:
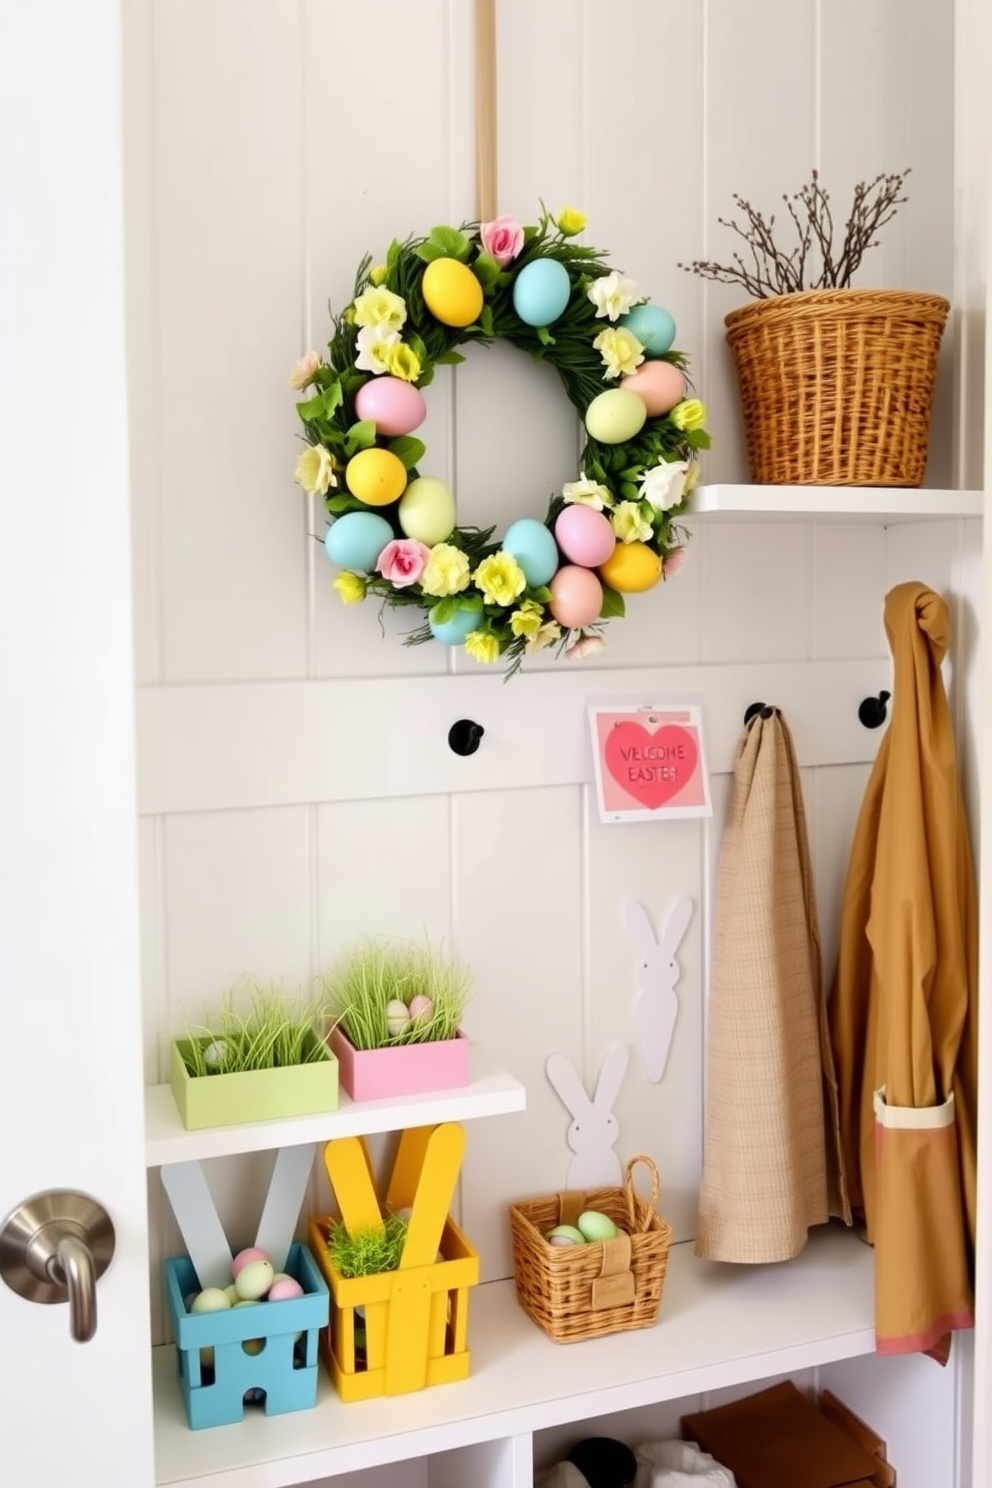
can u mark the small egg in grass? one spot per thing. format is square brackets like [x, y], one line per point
[215, 1053]
[421, 1009]
[397, 1017]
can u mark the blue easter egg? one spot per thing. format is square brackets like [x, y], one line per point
[653, 327]
[534, 548]
[356, 540]
[541, 291]
[453, 632]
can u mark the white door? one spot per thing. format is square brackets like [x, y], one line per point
[71, 1087]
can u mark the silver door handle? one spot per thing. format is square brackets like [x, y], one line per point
[53, 1248]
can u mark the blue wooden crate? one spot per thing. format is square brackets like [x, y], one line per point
[214, 1383]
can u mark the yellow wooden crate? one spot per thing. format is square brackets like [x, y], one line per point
[416, 1320]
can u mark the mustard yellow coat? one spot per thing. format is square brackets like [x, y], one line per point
[903, 1012]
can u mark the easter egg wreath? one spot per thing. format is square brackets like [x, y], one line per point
[613, 530]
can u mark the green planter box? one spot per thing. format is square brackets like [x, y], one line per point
[258, 1095]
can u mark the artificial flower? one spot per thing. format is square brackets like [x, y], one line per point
[483, 646]
[586, 645]
[377, 274]
[502, 239]
[374, 345]
[402, 561]
[404, 362]
[446, 571]
[527, 620]
[673, 561]
[570, 222]
[689, 414]
[500, 578]
[587, 493]
[664, 484]
[621, 351]
[380, 307]
[315, 470]
[691, 480]
[303, 371]
[549, 632]
[613, 294]
[629, 524]
[350, 586]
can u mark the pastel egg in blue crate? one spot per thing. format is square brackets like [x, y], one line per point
[267, 1351]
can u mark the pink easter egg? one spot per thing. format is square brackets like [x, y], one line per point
[245, 1257]
[394, 406]
[283, 1289]
[660, 385]
[584, 535]
[421, 1008]
[576, 597]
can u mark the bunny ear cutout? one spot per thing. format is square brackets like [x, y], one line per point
[566, 1082]
[635, 918]
[611, 1076]
[675, 927]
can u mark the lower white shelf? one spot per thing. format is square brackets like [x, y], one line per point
[719, 1325]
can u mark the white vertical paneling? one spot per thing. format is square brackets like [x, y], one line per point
[758, 585]
[910, 1402]
[519, 922]
[541, 106]
[151, 898]
[849, 570]
[228, 190]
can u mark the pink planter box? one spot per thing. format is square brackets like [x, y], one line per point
[403, 1069]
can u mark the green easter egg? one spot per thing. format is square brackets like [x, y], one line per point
[564, 1234]
[596, 1226]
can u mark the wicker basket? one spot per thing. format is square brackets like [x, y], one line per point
[837, 385]
[586, 1291]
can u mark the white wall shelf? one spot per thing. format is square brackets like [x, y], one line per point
[878, 504]
[491, 1092]
[718, 1326]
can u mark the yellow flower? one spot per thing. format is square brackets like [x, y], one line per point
[549, 632]
[446, 571]
[380, 307]
[500, 578]
[571, 222]
[629, 524]
[620, 349]
[527, 620]
[483, 646]
[690, 414]
[378, 274]
[691, 480]
[315, 470]
[403, 361]
[350, 587]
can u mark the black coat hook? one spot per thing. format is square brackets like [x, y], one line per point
[872, 710]
[465, 736]
[753, 709]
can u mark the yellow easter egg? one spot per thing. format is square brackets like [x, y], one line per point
[451, 292]
[427, 510]
[375, 476]
[631, 568]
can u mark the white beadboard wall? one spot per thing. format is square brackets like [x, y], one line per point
[272, 144]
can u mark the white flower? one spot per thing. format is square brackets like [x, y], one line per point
[587, 645]
[373, 348]
[549, 632]
[303, 370]
[587, 493]
[614, 294]
[664, 484]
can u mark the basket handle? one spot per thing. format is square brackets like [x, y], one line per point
[649, 1210]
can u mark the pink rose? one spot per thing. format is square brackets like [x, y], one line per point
[673, 561]
[502, 239]
[403, 561]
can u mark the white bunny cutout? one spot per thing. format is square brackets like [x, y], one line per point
[594, 1129]
[656, 1006]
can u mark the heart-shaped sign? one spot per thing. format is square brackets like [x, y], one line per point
[651, 767]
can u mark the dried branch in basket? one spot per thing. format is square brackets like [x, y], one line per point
[766, 267]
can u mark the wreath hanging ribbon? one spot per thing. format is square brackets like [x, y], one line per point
[612, 531]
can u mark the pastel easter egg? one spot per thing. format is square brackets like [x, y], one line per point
[465, 619]
[615, 416]
[356, 540]
[660, 385]
[451, 292]
[375, 476]
[596, 1226]
[394, 406]
[253, 1281]
[565, 1234]
[541, 291]
[245, 1257]
[427, 510]
[253, 1345]
[631, 568]
[653, 327]
[397, 1017]
[215, 1052]
[211, 1299]
[283, 1289]
[576, 597]
[584, 535]
[231, 1293]
[534, 548]
[421, 1009]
